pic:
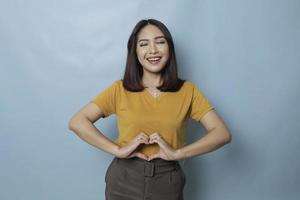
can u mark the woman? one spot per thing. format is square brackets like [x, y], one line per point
[153, 106]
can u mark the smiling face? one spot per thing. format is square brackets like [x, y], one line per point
[152, 49]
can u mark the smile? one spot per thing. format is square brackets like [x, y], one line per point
[154, 60]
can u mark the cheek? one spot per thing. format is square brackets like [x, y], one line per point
[140, 53]
[165, 50]
[140, 57]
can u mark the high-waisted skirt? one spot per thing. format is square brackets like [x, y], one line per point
[138, 179]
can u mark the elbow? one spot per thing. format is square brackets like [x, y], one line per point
[71, 125]
[228, 138]
[228, 141]
[77, 122]
[226, 135]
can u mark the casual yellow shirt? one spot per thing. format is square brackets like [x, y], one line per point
[166, 114]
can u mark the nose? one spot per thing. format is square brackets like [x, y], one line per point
[152, 48]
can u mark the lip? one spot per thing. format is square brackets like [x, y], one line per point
[154, 57]
[156, 61]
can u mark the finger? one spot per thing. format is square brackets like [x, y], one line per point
[141, 155]
[132, 154]
[142, 134]
[147, 138]
[154, 134]
[154, 156]
[162, 144]
[141, 139]
[156, 139]
[153, 140]
[145, 135]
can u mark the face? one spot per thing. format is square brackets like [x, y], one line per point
[152, 49]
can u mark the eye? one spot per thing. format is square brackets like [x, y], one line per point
[161, 42]
[143, 44]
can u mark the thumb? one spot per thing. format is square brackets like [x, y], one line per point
[153, 156]
[141, 155]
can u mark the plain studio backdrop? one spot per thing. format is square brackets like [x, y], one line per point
[55, 56]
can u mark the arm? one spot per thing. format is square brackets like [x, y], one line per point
[82, 123]
[218, 135]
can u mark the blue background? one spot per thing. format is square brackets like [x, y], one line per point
[55, 56]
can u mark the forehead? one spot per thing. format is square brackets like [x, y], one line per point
[149, 31]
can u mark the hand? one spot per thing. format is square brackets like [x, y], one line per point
[166, 152]
[128, 151]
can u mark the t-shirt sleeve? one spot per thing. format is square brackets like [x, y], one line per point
[107, 99]
[200, 104]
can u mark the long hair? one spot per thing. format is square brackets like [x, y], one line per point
[132, 79]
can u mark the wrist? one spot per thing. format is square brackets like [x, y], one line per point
[179, 154]
[115, 150]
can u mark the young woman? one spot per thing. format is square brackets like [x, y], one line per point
[153, 106]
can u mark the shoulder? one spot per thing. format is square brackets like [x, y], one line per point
[119, 85]
[192, 88]
[112, 87]
[189, 85]
[116, 84]
[118, 81]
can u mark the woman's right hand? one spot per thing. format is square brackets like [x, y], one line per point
[128, 150]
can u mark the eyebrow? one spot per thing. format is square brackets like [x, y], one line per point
[157, 37]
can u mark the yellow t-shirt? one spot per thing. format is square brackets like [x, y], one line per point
[166, 114]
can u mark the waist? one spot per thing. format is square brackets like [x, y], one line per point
[149, 168]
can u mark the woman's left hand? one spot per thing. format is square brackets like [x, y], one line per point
[166, 152]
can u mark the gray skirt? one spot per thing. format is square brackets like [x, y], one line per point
[138, 179]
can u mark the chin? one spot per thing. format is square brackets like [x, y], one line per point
[154, 69]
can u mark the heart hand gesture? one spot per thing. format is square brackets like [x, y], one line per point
[128, 150]
[166, 152]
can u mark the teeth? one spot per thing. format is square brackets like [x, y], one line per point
[153, 59]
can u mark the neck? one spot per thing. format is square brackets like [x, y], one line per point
[151, 80]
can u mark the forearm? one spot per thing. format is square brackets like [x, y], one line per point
[87, 131]
[213, 140]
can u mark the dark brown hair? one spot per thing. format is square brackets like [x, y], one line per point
[132, 79]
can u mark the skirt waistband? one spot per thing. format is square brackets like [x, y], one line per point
[156, 160]
[149, 168]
